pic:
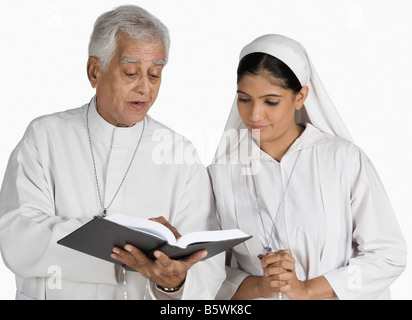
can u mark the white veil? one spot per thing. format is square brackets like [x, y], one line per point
[318, 109]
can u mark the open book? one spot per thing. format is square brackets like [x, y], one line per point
[100, 235]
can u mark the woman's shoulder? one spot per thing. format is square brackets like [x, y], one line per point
[340, 144]
[343, 152]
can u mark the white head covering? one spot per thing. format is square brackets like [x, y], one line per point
[318, 109]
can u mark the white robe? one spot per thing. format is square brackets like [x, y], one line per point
[49, 190]
[336, 217]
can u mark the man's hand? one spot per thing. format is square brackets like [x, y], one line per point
[163, 271]
[166, 223]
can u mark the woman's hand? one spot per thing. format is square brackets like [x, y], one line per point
[278, 268]
[280, 275]
[313, 289]
[280, 272]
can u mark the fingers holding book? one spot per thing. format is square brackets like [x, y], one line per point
[166, 223]
[165, 272]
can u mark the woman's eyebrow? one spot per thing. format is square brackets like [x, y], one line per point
[239, 91]
[265, 96]
[272, 95]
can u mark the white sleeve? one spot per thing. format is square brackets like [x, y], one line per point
[234, 278]
[30, 228]
[381, 247]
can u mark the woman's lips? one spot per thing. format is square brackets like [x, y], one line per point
[258, 127]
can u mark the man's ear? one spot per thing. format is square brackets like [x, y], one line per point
[93, 71]
[301, 97]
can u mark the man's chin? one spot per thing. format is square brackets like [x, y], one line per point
[137, 118]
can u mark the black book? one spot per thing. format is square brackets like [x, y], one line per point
[100, 235]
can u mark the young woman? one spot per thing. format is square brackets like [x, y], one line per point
[322, 223]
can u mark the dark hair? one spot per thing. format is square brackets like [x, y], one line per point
[257, 62]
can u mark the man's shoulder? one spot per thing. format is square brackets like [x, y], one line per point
[159, 130]
[157, 125]
[61, 117]
[60, 121]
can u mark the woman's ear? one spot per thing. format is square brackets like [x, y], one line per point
[93, 71]
[301, 97]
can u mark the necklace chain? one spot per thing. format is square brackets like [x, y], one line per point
[267, 248]
[94, 163]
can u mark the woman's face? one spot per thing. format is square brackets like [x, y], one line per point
[268, 108]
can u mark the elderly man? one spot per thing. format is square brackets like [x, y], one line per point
[73, 165]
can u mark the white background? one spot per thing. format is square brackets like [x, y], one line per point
[361, 49]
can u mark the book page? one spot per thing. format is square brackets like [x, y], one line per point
[144, 225]
[210, 236]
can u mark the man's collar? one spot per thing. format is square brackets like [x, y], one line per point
[110, 134]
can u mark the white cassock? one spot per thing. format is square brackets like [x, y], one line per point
[332, 212]
[49, 190]
[335, 218]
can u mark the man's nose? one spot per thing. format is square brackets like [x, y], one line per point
[142, 85]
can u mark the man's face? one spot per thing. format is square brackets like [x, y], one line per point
[128, 89]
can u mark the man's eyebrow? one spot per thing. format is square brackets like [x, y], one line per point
[159, 62]
[124, 60]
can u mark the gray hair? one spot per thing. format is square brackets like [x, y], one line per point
[132, 20]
